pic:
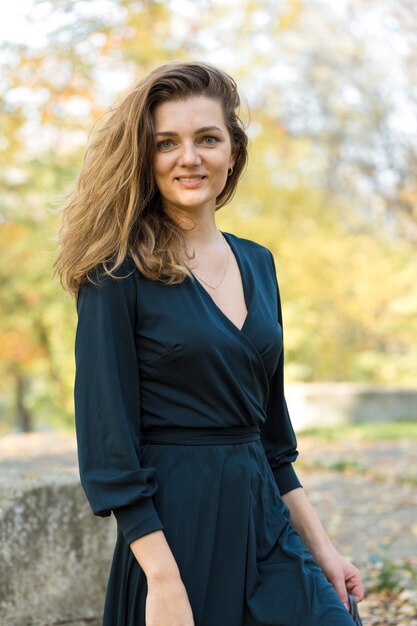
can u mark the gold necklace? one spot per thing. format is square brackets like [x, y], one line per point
[224, 273]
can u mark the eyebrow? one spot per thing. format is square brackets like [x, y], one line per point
[172, 133]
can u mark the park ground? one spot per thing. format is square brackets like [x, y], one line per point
[362, 480]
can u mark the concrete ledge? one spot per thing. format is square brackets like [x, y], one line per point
[331, 404]
[55, 554]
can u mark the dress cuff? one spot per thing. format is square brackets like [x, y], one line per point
[286, 478]
[136, 520]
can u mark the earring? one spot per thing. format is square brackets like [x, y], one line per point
[230, 170]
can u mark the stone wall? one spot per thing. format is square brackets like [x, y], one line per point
[54, 553]
[330, 404]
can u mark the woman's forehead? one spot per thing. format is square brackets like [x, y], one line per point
[193, 110]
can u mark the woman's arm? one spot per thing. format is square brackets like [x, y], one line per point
[277, 433]
[107, 412]
[107, 404]
[344, 576]
[155, 557]
[167, 599]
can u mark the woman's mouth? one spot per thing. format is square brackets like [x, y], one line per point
[190, 182]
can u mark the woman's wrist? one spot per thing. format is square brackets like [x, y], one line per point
[162, 572]
[322, 550]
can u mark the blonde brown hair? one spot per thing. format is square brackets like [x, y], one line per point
[115, 208]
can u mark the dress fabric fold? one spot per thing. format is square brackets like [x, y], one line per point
[165, 386]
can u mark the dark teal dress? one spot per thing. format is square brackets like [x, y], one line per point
[182, 425]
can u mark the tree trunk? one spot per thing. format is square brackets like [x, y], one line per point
[24, 417]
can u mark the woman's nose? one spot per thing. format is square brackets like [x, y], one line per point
[189, 155]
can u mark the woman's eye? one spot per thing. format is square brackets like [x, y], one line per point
[208, 139]
[164, 144]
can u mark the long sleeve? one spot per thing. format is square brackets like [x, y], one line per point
[107, 405]
[277, 433]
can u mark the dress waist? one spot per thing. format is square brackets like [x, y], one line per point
[200, 436]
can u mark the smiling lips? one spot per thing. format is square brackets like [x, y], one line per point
[190, 182]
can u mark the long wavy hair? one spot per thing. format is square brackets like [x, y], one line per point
[115, 208]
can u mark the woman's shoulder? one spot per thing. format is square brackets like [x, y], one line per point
[109, 290]
[109, 280]
[253, 248]
[107, 269]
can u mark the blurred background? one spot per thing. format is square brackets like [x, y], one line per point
[329, 93]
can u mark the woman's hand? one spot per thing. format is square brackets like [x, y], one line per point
[344, 576]
[167, 603]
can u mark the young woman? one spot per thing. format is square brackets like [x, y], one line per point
[182, 425]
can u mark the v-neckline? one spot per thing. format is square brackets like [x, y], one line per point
[245, 287]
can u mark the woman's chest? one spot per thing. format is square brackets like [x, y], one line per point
[229, 295]
[181, 326]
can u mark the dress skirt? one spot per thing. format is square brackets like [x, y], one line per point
[241, 562]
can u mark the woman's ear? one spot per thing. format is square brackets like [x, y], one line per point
[232, 160]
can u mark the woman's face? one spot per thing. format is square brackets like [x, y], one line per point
[193, 153]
